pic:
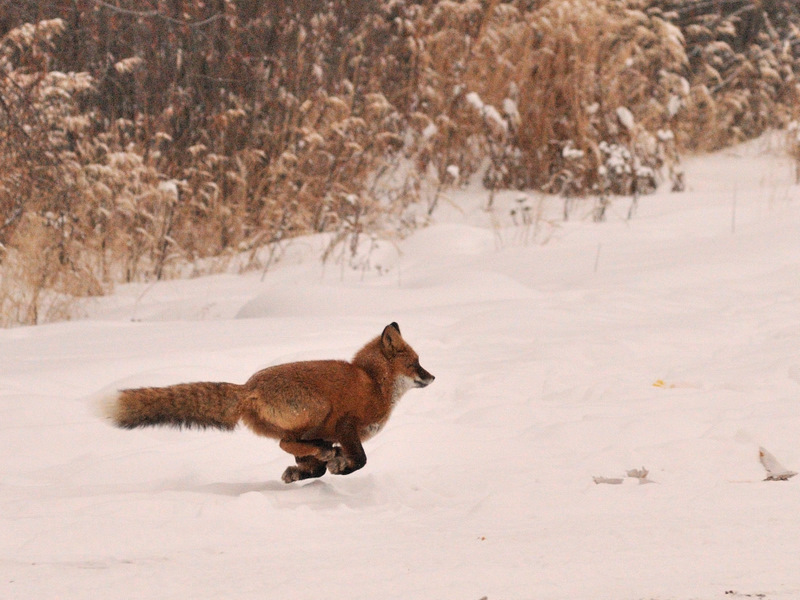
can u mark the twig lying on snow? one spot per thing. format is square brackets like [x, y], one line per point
[609, 480]
[640, 474]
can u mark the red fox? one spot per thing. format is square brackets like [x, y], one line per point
[320, 410]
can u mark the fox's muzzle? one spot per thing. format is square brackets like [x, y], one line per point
[423, 378]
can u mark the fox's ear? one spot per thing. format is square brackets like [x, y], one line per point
[395, 325]
[390, 339]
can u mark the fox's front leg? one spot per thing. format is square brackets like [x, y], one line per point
[352, 456]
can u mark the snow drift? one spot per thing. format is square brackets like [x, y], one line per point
[564, 353]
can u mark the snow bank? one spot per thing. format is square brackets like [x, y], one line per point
[668, 342]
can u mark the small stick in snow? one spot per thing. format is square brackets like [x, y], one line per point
[609, 480]
[640, 474]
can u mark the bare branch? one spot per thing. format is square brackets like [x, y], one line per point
[150, 14]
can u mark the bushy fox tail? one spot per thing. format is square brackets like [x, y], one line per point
[214, 405]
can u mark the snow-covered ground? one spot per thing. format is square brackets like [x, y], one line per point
[562, 352]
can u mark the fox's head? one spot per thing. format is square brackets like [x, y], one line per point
[404, 361]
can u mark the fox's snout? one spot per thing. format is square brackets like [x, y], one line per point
[423, 378]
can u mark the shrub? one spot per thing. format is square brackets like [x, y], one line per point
[135, 141]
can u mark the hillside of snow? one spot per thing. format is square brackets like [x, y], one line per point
[563, 352]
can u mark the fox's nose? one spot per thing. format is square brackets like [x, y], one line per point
[424, 378]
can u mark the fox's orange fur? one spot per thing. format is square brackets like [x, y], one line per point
[320, 411]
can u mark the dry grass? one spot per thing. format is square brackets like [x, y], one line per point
[224, 128]
[552, 85]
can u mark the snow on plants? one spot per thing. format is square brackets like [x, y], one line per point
[489, 113]
[661, 349]
[625, 117]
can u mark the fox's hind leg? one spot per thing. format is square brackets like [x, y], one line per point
[307, 467]
[317, 448]
[311, 456]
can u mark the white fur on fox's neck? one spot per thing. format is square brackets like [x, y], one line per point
[402, 384]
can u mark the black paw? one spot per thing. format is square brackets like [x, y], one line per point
[292, 474]
[341, 466]
[338, 465]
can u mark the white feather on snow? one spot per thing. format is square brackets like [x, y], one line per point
[675, 347]
[775, 470]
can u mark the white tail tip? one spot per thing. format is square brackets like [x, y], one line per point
[105, 405]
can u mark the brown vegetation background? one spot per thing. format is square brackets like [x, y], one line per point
[137, 137]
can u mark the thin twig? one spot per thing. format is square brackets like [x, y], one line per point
[149, 14]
